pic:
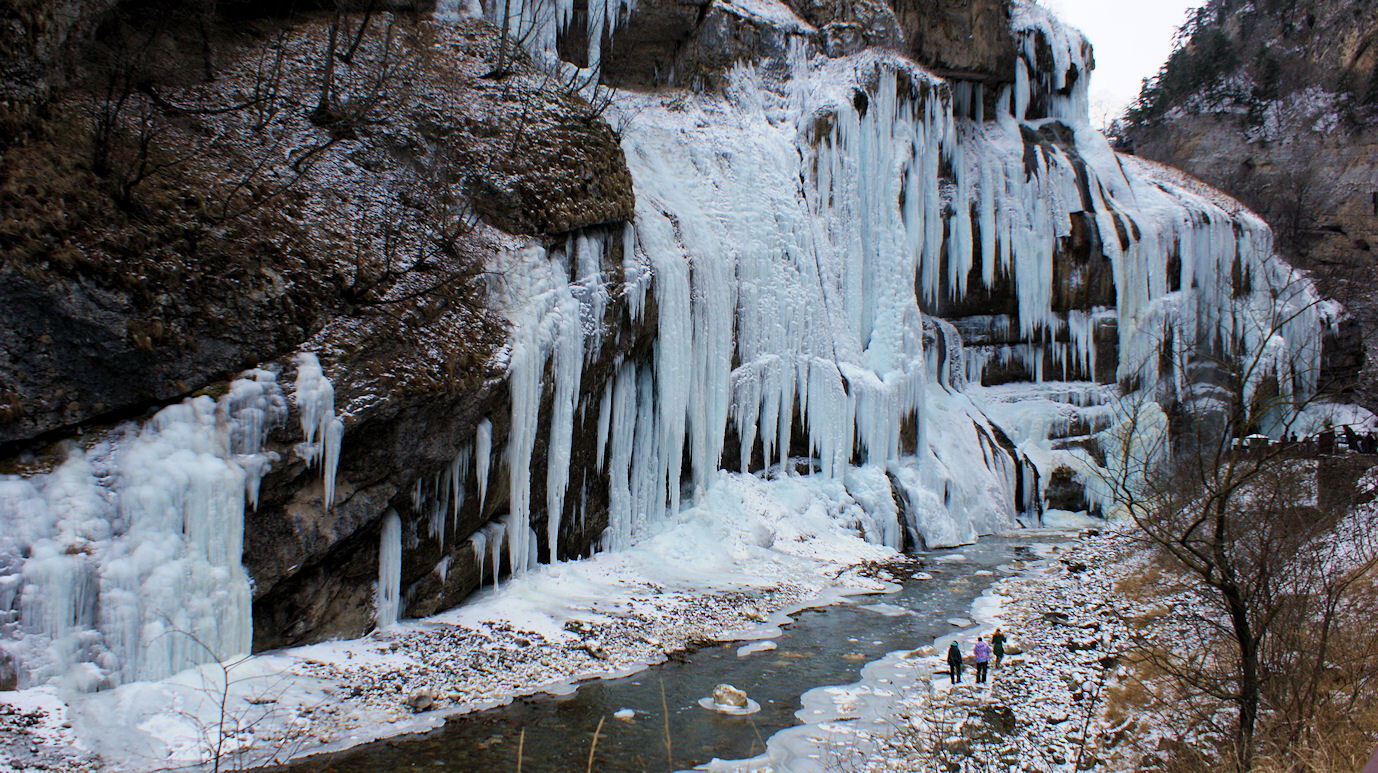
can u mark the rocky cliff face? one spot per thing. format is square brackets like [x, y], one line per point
[230, 224]
[1276, 103]
[506, 295]
[667, 43]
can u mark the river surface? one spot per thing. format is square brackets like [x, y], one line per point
[823, 646]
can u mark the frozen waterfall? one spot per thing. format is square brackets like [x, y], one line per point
[783, 252]
[796, 238]
[121, 562]
[794, 228]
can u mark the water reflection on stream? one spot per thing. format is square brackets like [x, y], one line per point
[828, 645]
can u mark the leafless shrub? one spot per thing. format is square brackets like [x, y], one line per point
[414, 248]
[373, 84]
[227, 737]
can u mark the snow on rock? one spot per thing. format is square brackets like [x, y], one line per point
[754, 647]
[35, 734]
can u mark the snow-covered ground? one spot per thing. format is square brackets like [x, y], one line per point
[732, 567]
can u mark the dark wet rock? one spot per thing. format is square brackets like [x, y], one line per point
[964, 40]
[692, 43]
[668, 43]
[845, 28]
[1000, 719]
[1065, 492]
[421, 699]
[76, 348]
[34, 36]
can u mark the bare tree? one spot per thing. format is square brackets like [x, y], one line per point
[377, 66]
[516, 28]
[127, 125]
[224, 732]
[1244, 521]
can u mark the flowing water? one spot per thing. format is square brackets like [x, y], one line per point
[826, 645]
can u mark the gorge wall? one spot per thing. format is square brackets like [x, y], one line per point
[1275, 103]
[431, 315]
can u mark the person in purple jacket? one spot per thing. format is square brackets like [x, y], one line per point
[982, 653]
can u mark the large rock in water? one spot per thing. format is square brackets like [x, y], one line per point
[727, 695]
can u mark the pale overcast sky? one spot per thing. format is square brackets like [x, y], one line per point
[1132, 40]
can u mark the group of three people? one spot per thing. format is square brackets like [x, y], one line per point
[981, 651]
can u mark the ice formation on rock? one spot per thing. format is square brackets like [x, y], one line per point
[793, 229]
[791, 232]
[536, 24]
[122, 562]
[315, 398]
[388, 592]
[780, 307]
[483, 455]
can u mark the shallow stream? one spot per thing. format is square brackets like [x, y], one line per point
[823, 646]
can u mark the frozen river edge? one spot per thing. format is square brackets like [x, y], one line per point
[1044, 709]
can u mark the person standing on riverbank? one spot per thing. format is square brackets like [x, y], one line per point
[982, 653]
[997, 644]
[954, 662]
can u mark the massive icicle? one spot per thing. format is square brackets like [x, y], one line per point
[779, 306]
[387, 599]
[537, 24]
[315, 398]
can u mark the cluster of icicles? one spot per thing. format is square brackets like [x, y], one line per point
[124, 562]
[789, 258]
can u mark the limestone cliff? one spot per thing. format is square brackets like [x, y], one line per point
[165, 230]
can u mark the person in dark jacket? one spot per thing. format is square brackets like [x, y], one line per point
[954, 662]
[997, 644]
